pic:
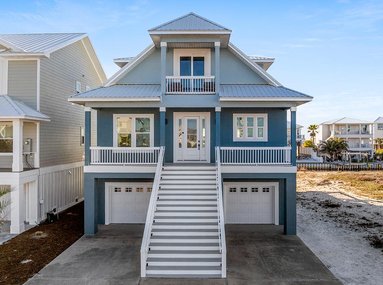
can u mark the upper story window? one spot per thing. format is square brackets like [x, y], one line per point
[192, 62]
[380, 127]
[250, 127]
[78, 87]
[135, 130]
[6, 137]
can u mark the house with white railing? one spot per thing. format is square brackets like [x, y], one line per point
[191, 136]
[41, 133]
[357, 133]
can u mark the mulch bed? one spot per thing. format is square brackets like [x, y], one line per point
[26, 254]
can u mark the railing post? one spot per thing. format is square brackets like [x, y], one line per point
[218, 126]
[293, 128]
[217, 50]
[162, 126]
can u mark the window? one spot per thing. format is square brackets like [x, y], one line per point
[78, 87]
[250, 127]
[6, 137]
[87, 88]
[82, 136]
[140, 189]
[232, 189]
[133, 130]
[191, 62]
[243, 189]
[117, 189]
[128, 189]
[254, 189]
[380, 127]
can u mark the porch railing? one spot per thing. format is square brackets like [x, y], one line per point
[256, 155]
[221, 221]
[190, 84]
[123, 155]
[150, 212]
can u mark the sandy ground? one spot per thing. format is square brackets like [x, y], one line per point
[340, 228]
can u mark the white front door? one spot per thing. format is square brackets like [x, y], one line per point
[191, 137]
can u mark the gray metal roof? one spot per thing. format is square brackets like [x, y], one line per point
[345, 120]
[261, 91]
[379, 120]
[190, 22]
[37, 43]
[13, 109]
[122, 91]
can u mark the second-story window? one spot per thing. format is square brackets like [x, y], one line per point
[192, 66]
[134, 130]
[250, 127]
[191, 62]
[6, 137]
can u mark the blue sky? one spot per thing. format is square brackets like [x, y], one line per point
[332, 50]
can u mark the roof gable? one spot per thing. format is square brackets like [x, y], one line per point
[189, 22]
[38, 43]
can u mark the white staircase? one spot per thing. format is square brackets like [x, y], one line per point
[184, 238]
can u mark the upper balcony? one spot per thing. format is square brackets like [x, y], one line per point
[190, 84]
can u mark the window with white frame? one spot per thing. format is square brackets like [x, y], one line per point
[133, 130]
[82, 136]
[250, 127]
[192, 62]
[380, 127]
[6, 137]
[78, 87]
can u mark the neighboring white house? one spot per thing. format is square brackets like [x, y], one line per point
[378, 129]
[357, 133]
[300, 135]
[41, 133]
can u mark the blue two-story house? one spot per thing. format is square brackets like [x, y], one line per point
[191, 135]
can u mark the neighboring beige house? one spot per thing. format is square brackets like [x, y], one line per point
[41, 133]
[378, 130]
[357, 133]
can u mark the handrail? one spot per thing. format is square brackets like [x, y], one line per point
[256, 155]
[221, 220]
[101, 155]
[150, 212]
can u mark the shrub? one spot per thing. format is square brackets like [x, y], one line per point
[308, 143]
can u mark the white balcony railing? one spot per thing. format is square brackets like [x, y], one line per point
[256, 155]
[123, 155]
[190, 84]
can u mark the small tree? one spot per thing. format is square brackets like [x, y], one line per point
[4, 203]
[379, 143]
[312, 130]
[333, 147]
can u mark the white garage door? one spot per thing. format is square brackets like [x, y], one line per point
[251, 203]
[126, 202]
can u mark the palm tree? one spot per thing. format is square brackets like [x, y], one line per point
[312, 129]
[379, 143]
[333, 147]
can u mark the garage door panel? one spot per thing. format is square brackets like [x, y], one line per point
[250, 203]
[128, 202]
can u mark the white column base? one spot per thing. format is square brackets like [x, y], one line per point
[17, 209]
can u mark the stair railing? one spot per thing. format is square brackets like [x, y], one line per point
[150, 213]
[221, 220]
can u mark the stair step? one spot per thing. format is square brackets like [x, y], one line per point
[186, 202]
[188, 177]
[188, 186]
[188, 191]
[189, 172]
[187, 197]
[184, 240]
[183, 247]
[185, 214]
[184, 254]
[184, 263]
[183, 273]
[160, 226]
[185, 220]
[184, 234]
[188, 182]
[186, 208]
[188, 167]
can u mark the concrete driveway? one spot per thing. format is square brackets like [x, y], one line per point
[255, 254]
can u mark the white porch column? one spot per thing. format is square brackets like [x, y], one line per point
[17, 165]
[37, 153]
[17, 208]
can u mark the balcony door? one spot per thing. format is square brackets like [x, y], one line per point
[192, 66]
[191, 137]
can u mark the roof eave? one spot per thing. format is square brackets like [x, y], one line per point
[83, 100]
[264, 99]
[25, 55]
[190, 32]
[31, 118]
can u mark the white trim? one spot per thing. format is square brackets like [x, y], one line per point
[176, 117]
[261, 184]
[140, 57]
[258, 169]
[255, 127]
[163, 44]
[38, 85]
[189, 32]
[218, 109]
[205, 53]
[87, 109]
[37, 154]
[3, 76]
[217, 44]
[23, 118]
[133, 131]
[236, 51]
[114, 99]
[102, 78]
[162, 109]
[120, 169]
[265, 99]
[24, 56]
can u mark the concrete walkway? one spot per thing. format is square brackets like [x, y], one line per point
[256, 255]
